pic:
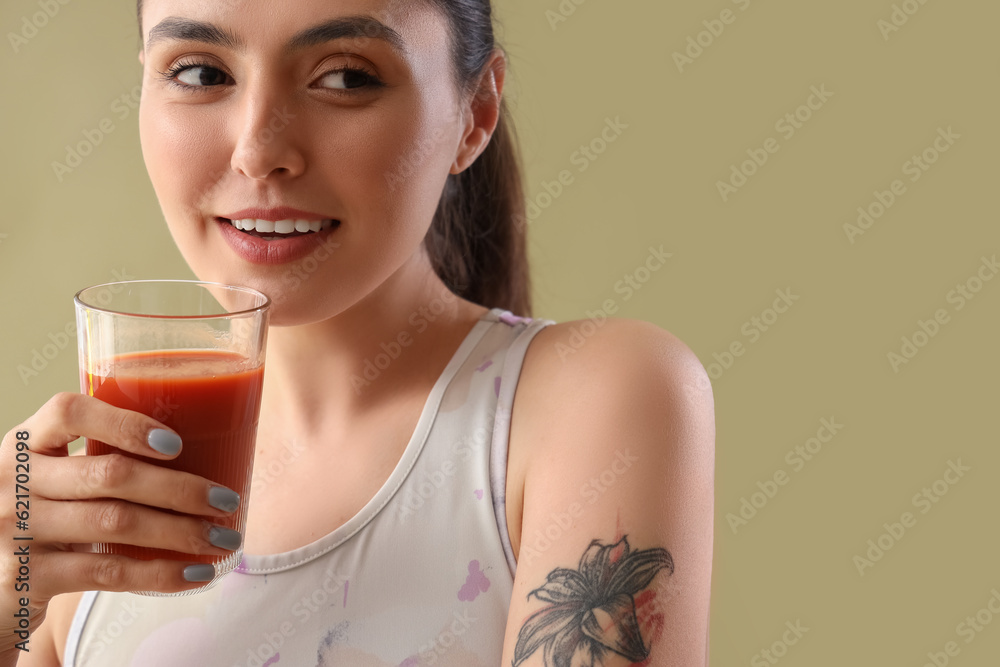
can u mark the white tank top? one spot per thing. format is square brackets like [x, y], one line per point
[422, 575]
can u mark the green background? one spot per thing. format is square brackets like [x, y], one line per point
[826, 357]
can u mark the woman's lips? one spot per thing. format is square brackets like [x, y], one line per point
[263, 248]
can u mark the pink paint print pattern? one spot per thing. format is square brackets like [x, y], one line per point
[513, 320]
[276, 658]
[479, 494]
[475, 583]
[486, 364]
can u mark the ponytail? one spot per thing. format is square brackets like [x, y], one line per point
[476, 242]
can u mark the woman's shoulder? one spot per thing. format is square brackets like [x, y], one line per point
[610, 350]
[593, 373]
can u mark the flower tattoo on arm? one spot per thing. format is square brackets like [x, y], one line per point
[591, 611]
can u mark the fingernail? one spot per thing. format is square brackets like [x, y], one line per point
[200, 572]
[225, 538]
[165, 442]
[223, 499]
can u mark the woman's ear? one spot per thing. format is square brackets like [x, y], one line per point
[142, 57]
[482, 113]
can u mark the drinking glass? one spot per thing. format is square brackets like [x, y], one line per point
[190, 355]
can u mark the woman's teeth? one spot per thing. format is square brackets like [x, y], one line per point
[281, 226]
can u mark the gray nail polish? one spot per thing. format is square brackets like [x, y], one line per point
[163, 441]
[223, 499]
[225, 538]
[200, 572]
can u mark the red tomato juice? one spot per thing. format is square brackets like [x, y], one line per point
[210, 399]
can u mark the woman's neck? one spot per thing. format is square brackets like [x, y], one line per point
[322, 377]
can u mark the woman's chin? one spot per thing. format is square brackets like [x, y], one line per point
[296, 308]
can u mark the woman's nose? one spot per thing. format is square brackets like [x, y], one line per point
[265, 144]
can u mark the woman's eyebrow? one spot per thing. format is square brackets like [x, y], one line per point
[188, 30]
[348, 27]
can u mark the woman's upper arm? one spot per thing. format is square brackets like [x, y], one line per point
[48, 642]
[41, 644]
[615, 542]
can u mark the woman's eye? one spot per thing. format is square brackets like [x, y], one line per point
[347, 79]
[201, 75]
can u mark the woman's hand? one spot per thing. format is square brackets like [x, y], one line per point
[73, 501]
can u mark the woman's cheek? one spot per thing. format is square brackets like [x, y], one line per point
[187, 170]
[413, 166]
[376, 168]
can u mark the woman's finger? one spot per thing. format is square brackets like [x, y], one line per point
[66, 571]
[66, 417]
[119, 476]
[120, 522]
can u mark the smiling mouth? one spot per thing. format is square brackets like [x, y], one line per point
[282, 229]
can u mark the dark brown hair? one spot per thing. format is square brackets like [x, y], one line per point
[477, 241]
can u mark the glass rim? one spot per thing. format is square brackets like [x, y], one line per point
[201, 283]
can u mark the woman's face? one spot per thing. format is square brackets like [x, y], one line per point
[341, 116]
